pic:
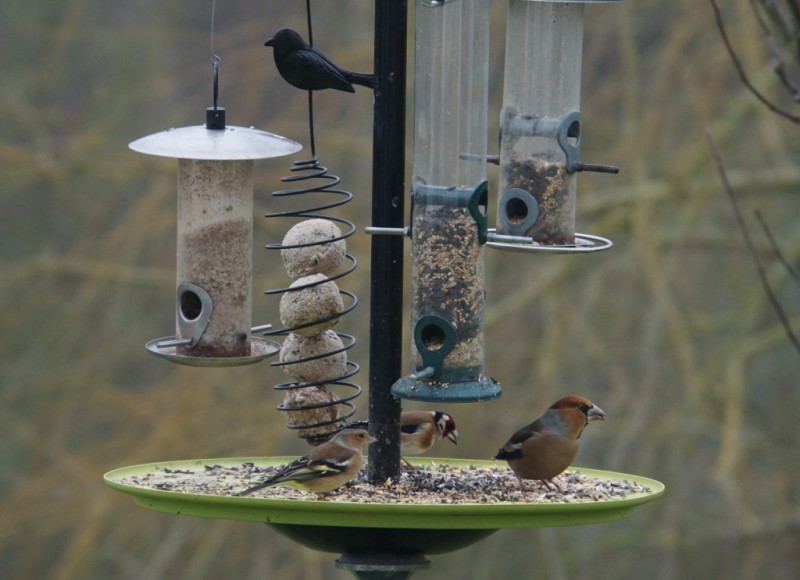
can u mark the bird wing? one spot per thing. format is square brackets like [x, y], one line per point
[411, 428]
[513, 447]
[306, 469]
[323, 69]
[526, 433]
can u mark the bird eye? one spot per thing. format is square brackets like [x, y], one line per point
[583, 408]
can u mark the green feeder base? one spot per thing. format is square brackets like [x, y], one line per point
[420, 389]
[395, 528]
[381, 540]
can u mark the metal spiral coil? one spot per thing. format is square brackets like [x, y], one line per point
[308, 170]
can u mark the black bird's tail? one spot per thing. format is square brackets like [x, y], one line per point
[363, 79]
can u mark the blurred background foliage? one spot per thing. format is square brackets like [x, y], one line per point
[670, 331]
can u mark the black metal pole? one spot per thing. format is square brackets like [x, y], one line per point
[388, 193]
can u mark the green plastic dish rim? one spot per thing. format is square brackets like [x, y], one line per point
[112, 478]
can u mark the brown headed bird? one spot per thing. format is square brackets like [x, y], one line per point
[546, 447]
[324, 468]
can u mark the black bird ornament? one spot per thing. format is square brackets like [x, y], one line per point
[304, 67]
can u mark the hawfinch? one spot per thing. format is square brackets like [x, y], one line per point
[324, 468]
[546, 447]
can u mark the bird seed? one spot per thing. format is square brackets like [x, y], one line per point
[431, 483]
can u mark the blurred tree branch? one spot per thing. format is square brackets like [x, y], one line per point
[774, 245]
[776, 305]
[783, 34]
[781, 31]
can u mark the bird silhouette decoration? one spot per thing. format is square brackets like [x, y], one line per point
[304, 67]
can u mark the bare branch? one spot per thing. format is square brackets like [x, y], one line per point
[786, 34]
[794, 7]
[764, 100]
[775, 248]
[776, 305]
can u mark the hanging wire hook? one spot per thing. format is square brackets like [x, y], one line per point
[312, 143]
[215, 58]
[215, 116]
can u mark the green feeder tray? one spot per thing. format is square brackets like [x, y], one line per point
[349, 527]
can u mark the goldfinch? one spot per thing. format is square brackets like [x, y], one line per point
[546, 447]
[324, 468]
[420, 430]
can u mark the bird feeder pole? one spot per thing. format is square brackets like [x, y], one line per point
[388, 193]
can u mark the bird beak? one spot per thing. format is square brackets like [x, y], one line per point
[371, 440]
[452, 436]
[269, 42]
[596, 414]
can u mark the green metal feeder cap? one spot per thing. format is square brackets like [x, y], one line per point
[417, 388]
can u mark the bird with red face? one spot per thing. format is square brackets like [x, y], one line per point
[420, 430]
[545, 448]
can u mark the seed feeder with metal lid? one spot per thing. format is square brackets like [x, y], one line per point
[541, 131]
[450, 197]
[215, 238]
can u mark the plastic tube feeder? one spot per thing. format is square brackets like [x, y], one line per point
[215, 238]
[449, 196]
[540, 124]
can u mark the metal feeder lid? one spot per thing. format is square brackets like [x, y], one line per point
[576, 1]
[228, 144]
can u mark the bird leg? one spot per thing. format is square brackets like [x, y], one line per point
[548, 482]
[523, 486]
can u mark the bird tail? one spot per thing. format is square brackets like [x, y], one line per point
[363, 79]
[504, 453]
[269, 482]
